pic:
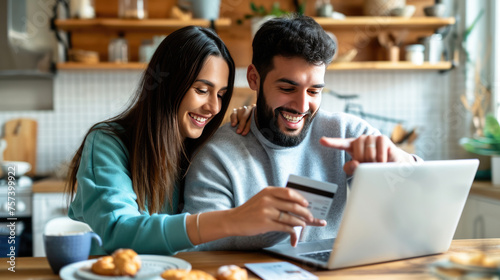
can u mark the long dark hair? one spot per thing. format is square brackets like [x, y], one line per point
[158, 156]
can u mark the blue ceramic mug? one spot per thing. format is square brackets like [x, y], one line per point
[67, 241]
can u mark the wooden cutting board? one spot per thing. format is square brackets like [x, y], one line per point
[21, 137]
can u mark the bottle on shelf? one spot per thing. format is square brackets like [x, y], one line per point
[83, 9]
[133, 9]
[415, 54]
[118, 49]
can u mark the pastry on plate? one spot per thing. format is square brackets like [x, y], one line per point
[476, 259]
[127, 262]
[104, 266]
[123, 262]
[182, 274]
[174, 274]
[231, 272]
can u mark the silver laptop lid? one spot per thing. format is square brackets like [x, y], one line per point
[398, 211]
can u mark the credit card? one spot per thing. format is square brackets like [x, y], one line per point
[319, 194]
[280, 270]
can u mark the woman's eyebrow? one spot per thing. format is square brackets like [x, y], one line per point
[210, 84]
[207, 82]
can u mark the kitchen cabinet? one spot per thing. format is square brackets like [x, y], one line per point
[127, 25]
[49, 202]
[359, 32]
[46, 206]
[480, 218]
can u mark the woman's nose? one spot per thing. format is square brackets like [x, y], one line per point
[213, 103]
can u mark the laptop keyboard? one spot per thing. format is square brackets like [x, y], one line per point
[322, 256]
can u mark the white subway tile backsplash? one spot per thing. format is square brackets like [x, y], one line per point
[81, 98]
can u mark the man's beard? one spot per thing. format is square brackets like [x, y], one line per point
[268, 123]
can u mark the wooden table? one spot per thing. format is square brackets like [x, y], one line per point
[416, 268]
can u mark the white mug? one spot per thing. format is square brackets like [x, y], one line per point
[205, 9]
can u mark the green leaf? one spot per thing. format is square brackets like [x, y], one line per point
[478, 147]
[302, 8]
[247, 16]
[262, 11]
[253, 7]
[239, 21]
[471, 27]
[473, 146]
[492, 128]
[488, 140]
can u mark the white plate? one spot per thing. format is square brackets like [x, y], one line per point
[475, 268]
[467, 270]
[151, 268]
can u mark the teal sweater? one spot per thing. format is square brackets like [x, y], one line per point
[106, 201]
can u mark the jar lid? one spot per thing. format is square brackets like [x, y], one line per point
[416, 47]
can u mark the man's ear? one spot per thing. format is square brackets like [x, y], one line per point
[253, 77]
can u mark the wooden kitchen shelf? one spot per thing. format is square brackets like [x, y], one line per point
[387, 65]
[127, 25]
[357, 65]
[162, 24]
[386, 22]
[101, 66]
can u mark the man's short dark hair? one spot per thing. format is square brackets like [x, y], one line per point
[291, 36]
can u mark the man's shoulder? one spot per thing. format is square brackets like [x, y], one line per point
[225, 133]
[339, 123]
[225, 140]
[338, 116]
[326, 118]
[223, 148]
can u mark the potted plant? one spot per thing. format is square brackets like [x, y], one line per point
[260, 14]
[488, 145]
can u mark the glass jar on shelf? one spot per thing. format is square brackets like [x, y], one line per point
[133, 9]
[83, 9]
[415, 54]
[118, 50]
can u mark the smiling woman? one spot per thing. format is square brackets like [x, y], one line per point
[128, 167]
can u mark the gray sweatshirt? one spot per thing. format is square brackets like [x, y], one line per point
[231, 168]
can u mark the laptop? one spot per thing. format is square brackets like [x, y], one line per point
[394, 211]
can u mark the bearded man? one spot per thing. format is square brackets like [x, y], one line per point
[289, 134]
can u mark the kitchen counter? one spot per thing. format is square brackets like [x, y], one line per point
[480, 188]
[414, 268]
[485, 189]
[49, 186]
